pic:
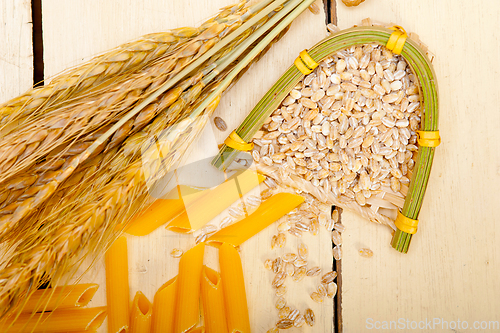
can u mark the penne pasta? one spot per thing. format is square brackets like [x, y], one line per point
[215, 201]
[233, 284]
[69, 296]
[140, 314]
[212, 297]
[164, 310]
[161, 211]
[268, 212]
[61, 320]
[117, 290]
[187, 300]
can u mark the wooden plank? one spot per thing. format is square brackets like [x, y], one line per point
[90, 28]
[452, 270]
[16, 56]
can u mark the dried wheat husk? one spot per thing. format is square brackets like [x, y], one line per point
[416, 57]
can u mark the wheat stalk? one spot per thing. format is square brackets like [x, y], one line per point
[101, 69]
[20, 150]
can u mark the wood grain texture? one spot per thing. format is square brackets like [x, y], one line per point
[453, 266]
[16, 55]
[76, 30]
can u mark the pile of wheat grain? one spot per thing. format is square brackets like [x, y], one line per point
[349, 127]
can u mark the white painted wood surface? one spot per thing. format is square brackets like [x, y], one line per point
[77, 29]
[453, 266]
[16, 52]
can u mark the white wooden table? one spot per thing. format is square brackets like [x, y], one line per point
[452, 270]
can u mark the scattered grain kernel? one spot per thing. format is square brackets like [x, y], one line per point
[284, 312]
[321, 290]
[309, 317]
[281, 290]
[284, 226]
[337, 252]
[336, 237]
[277, 265]
[299, 275]
[299, 262]
[328, 277]
[176, 253]
[364, 252]
[340, 227]
[280, 303]
[235, 212]
[352, 3]
[331, 290]
[266, 194]
[295, 232]
[274, 241]
[316, 297]
[335, 215]
[284, 323]
[299, 321]
[200, 238]
[220, 124]
[281, 241]
[303, 251]
[329, 224]
[279, 279]
[253, 200]
[294, 314]
[289, 257]
[314, 271]
[314, 227]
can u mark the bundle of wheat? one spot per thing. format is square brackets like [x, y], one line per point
[72, 171]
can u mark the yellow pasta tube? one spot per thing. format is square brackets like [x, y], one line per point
[233, 284]
[187, 300]
[268, 212]
[140, 315]
[215, 201]
[162, 211]
[164, 311]
[62, 320]
[69, 296]
[117, 291]
[212, 297]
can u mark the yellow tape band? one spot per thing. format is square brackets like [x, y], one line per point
[305, 63]
[428, 138]
[307, 60]
[236, 142]
[406, 224]
[301, 67]
[397, 39]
